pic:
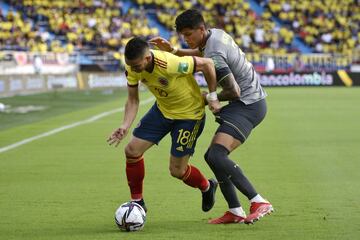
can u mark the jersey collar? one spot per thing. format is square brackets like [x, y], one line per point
[201, 49]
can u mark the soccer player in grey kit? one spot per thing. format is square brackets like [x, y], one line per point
[245, 110]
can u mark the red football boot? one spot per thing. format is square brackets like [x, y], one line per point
[227, 218]
[257, 211]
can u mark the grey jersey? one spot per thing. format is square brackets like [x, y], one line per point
[229, 58]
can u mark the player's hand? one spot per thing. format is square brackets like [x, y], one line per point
[204, 93]
[214, 106]
[116, 137]
[161, 43]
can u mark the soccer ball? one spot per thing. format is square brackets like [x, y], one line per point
[130, 216]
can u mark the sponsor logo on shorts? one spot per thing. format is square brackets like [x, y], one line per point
[180, 149]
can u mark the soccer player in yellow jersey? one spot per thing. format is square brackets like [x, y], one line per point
[178, 110]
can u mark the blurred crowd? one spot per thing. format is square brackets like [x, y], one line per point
[252, 32]
[101, 25]
[68, 26]
[327, 26]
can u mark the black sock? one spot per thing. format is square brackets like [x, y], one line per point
[218, 158]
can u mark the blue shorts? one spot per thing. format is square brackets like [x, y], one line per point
[184, 133]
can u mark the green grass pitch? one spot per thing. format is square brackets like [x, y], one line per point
[304, 157]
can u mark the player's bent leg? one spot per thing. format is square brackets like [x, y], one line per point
[136, 147]
[218, 158]
[235, 214]
[192, 177]
[178, 166]
[135, 170]
[259, 206]
[184, 136]
[237, 120]
[227, 188]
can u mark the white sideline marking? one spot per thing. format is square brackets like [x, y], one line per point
[60, 129]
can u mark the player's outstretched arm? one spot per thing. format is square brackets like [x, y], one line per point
[206, 65]
[131, 109]
[165, 45]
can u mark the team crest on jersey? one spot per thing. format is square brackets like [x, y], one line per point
[163, 81]
[183, 67]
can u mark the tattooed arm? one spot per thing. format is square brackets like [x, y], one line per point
[230, 88]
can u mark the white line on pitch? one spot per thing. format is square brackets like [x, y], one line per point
[60, 129]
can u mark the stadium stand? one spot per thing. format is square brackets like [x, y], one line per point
[102, 25]
[80, 25]
[268, 31]
[328, 26]
[47, 45]
[252, 32]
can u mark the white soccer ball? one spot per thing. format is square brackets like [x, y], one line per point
[130, 216]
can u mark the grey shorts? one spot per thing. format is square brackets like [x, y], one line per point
[238, 119]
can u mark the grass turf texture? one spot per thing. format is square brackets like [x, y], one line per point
[304, 158]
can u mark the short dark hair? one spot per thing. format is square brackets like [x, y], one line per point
[190, 18]
[136, 48]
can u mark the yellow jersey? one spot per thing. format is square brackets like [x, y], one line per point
[172, 82]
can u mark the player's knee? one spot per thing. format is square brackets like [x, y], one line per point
[177, 171]
[216, 154]
[131, 152]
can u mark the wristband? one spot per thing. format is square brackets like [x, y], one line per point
[211, 96]
[174, 50]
